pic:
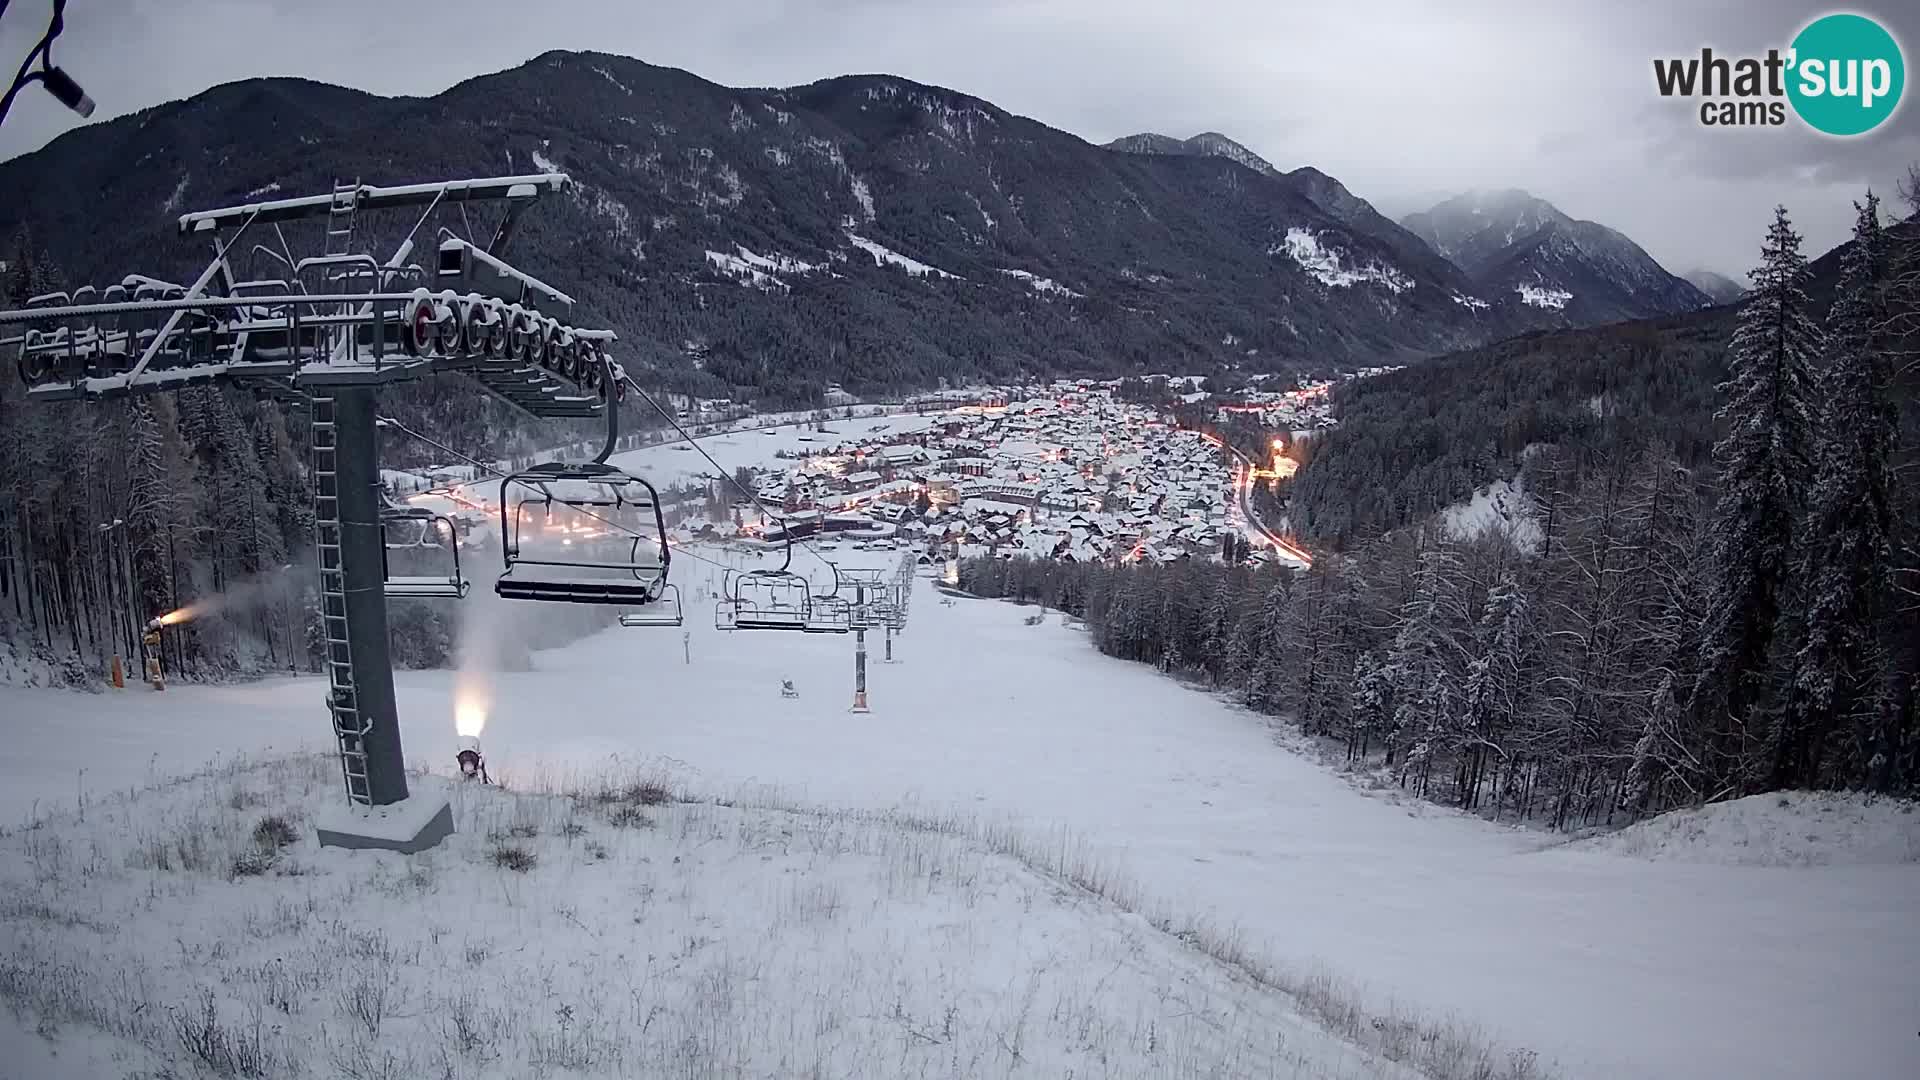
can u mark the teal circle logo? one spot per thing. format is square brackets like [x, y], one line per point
[1845, 74]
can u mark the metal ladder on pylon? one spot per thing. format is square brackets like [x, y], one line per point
[340, 220]
[350, 726]
[346, 199]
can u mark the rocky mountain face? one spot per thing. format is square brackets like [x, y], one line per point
[864, 230]
[1575, 273]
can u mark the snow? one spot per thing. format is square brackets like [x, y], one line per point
[404, 482]
[1610, 964]
[1500, 505]
[644, 939]
[396, 822]
[777, 263]
[746, 272]
[1797, 828]
[615, 213]
[607, 75]
[1471, 303]
[1541, 296]
[1324, 264]
[883, 255]
[985, 217]
[1039, 284]
[665, 467]
[179, 191]
[862, 194]
[256, 192]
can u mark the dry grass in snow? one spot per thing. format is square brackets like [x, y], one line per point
[610, 927]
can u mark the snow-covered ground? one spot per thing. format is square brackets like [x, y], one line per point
[1788, 828]
[1609, 964]
[1326, 265]
[677, 463]
[1542, 296]
[1500, 506]
[195, 928]
[886, 256]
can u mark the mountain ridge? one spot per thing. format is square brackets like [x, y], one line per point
[1719, 288]
[865, 230]
[1510, 241]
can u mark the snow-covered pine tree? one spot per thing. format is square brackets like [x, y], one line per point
[1271, 648]
[1373, 682]
[1493, 690]
[1764, 461]
[1217, 625]
[1829, 724]
[1423, 660]
[1316, 630]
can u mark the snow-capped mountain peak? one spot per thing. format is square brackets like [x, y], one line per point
[1512, 243]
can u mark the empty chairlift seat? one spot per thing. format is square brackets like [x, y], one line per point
[420, 540]
[766, 600]
[662, 612]
[582, 534]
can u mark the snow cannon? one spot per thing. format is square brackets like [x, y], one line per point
[150, 655]
[472, 765]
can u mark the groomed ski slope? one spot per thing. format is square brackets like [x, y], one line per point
[1609, 965]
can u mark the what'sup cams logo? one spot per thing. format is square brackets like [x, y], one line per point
[1843, 75]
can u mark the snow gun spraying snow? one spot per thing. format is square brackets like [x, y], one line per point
[470, 719]
[472, 765]
[150, 652]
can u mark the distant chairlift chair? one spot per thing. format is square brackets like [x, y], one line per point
[417, 529]
[778, 600]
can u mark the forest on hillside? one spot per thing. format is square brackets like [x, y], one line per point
[1698, 619]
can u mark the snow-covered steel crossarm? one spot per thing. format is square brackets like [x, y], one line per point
[203, 303]
[464, 266]
[369, 197]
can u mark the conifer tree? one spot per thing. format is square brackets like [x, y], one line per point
[1832, 700]
[1763, 465]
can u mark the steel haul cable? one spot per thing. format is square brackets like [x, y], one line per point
[718, 468]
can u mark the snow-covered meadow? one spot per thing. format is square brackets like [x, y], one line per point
[612, 930]
[1617, 957]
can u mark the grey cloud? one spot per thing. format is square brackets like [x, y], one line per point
[1405, 101]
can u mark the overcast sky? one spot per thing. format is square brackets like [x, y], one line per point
[1405, 101]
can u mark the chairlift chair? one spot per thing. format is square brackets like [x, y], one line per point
[828, 615]
[662, 612]
[416, 528]
[618, 555]
[763, 600]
